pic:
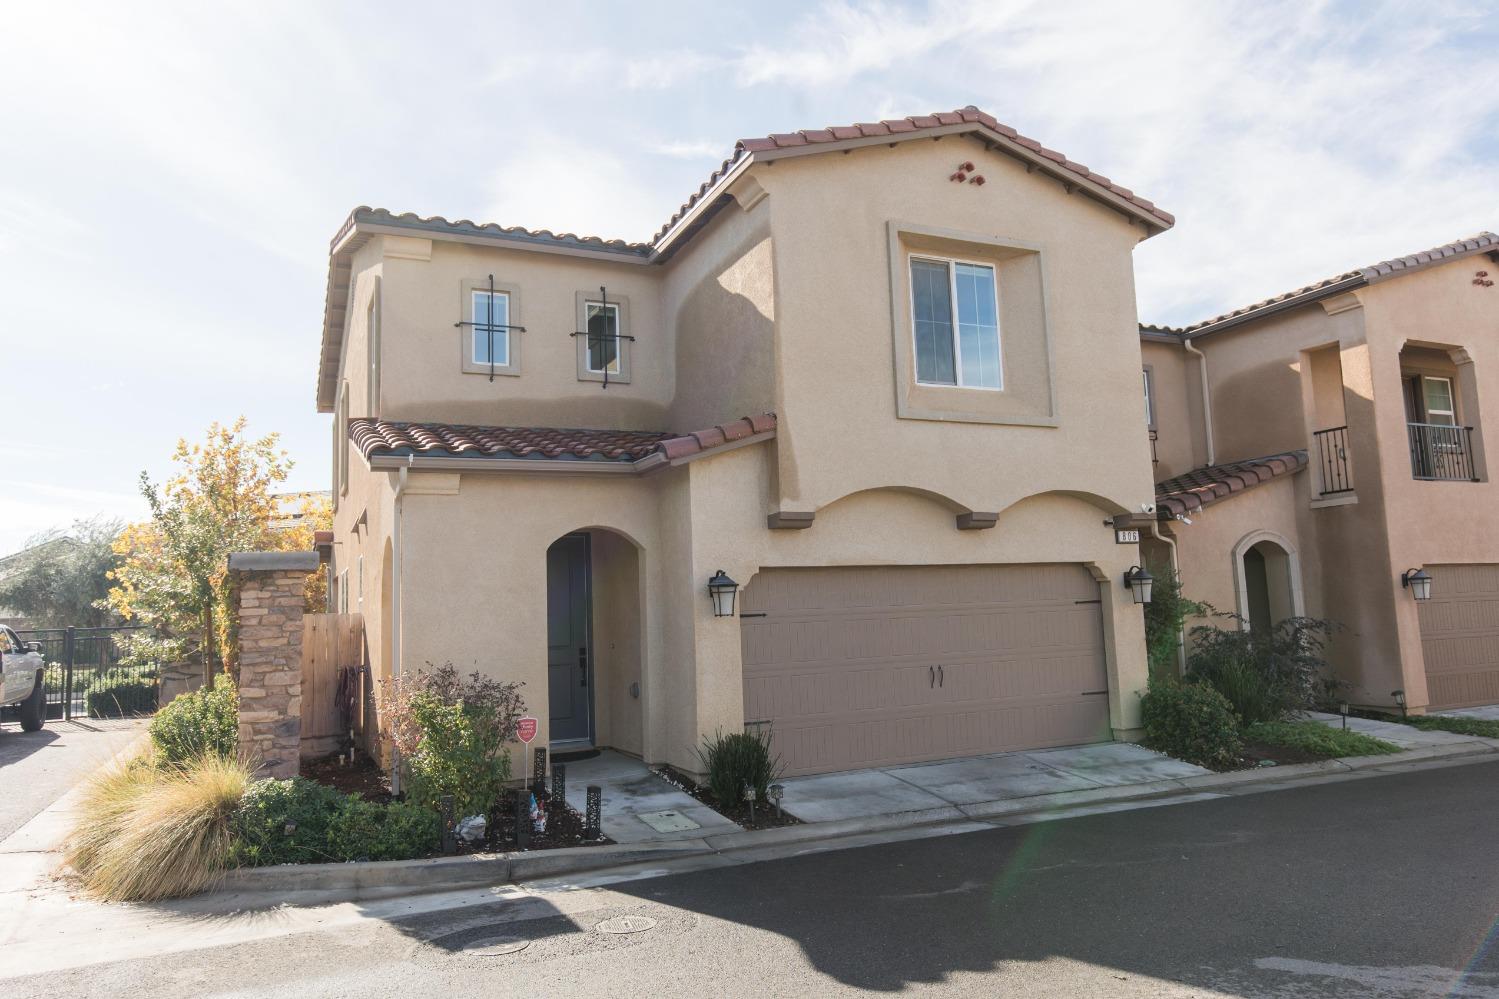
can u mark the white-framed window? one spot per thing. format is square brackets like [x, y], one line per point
[360, 592]
[1149, 399]
[341, 442]
[372, 343]
[1438, 401]
[955, 322]
[343, 592]
[603, 337]
[491, 339]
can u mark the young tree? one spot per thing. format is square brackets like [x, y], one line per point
[317, 515]
[174, 574]
[61, 578]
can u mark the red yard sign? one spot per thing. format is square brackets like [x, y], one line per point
[525, 729]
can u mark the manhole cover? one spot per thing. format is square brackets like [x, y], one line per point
[666, 822]
[495, 946]
[626, 924]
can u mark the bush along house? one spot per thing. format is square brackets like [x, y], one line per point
[1323, 453]
[865, 387]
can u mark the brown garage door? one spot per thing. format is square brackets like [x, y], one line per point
[1460, 635]
[860, 667]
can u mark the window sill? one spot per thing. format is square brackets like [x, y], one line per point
[1341, 499]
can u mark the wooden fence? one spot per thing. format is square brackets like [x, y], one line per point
[330, 644]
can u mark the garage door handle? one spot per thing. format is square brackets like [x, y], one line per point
[941, 677]
[1088, 693]
[931, 676]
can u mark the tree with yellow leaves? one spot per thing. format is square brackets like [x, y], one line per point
[174, 571]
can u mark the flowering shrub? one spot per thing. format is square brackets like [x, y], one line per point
[453, 735]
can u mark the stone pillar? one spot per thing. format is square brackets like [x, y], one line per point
[269, 607]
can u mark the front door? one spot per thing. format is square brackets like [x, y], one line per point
[569, 658]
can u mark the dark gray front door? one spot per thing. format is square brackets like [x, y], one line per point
[569, 658]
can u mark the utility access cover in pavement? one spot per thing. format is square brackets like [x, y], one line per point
[668, 822]
[495, 946]
[626, 924]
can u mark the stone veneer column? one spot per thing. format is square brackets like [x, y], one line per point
[269, 606]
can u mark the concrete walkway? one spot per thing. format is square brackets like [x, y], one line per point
[978, 780]
[640, 806]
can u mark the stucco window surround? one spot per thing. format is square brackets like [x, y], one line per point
[1148, 379]
[1295, 597]
[587, 305]
[1441, 381]
[372, 344]
[468, 361]
[1027, 392]
[341, 443]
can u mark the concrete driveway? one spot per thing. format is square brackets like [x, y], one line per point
[37, 768]
[976, 780]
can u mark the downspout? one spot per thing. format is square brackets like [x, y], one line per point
[395, 607]
[1181, 634]
[1207, 401]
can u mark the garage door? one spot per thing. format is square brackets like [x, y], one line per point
[861, 667]
[1460, 635]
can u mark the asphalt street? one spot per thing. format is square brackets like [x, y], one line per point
[37, 768]
[1377, 887]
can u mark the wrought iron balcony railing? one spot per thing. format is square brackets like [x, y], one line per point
[1332, 460]
[1441, 452]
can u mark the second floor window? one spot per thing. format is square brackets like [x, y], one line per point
[491, 338]
[955, 314]
[603, 337]
[1437, 393]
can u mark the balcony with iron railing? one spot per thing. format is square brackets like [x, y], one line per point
[1440, 452]
[1331, 454]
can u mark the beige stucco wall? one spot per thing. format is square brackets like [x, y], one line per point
[1181, 437]
[838, 332]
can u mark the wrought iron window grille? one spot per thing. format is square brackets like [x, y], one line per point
[599, 339]
[489, 326]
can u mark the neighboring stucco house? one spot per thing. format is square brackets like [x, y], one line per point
[875, 374]
[1341, 447]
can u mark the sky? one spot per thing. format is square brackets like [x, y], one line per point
[170, 174]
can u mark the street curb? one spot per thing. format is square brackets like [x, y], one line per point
[443, 873]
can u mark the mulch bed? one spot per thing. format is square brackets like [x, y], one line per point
[765, 814]
[564, 828]
[1256, 752]
[362, 777]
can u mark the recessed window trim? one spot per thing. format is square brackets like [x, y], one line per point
[952, 264]
[473, 339]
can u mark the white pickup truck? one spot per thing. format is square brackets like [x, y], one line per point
[21, 679]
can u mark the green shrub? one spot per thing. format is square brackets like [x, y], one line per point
[1192, 722]
[284, 822]
[1165, 616]
[299, 821]
[454, 736]
[1315, 738]
[1265, 676]
[117, 694]
[205, 721]
[734, 760]
[364, 830]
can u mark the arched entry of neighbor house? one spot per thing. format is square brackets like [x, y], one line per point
[594, 642]
[1267, 575]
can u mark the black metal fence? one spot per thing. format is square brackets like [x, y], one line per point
[85, 677]
[1332, 460]
[1441, 452]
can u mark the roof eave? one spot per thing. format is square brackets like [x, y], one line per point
[1275, 308]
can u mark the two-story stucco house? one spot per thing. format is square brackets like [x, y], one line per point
[877, 375]
[1317, 451]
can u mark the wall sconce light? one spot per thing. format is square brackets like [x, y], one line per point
[1418, 582]
[722, 590]
[1139, 583]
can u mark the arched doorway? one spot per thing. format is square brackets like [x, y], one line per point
[1269, 581]
[594, 642]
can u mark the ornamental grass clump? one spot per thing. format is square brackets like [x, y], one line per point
[152, 832]
[737, 760]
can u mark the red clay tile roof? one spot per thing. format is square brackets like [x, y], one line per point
[1186, 494]
[1357, 278]
[384, 438]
